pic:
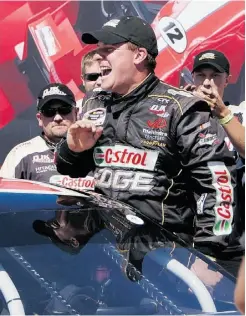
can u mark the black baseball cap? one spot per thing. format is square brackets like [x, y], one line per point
[46, 229]
[127, 29]
[212, 58]
[55, 91]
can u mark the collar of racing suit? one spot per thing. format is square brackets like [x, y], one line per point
[119, 103]
[49, 143]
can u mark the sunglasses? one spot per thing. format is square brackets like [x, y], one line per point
[92, 76]
[63, 110]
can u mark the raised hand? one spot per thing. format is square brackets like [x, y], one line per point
[82, 136]
[213, 98]
[189, 87]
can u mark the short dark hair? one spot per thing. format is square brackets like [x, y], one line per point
[150, 62]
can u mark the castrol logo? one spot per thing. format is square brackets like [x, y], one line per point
[79, 184]
[125, 156]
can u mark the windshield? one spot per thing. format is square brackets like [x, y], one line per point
[99, 258]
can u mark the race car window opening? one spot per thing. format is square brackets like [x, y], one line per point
[38, 265]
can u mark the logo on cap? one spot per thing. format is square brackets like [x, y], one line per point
[207, 56]
[112, 23]
[52, 91]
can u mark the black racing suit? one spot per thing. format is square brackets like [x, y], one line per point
[152, 137]
[34, 160]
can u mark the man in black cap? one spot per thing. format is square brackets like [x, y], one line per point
[34, 159]
[152, 135]
[119, 40]
[211, 66]
[211, 75]
[56, 107]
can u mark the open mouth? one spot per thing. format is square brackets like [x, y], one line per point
[59, 127]
[105, 71]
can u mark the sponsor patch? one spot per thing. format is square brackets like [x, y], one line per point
[158, 123]
[207, 56]
[112, 23]
[208, 139]
[159, 110]
[200, 203]
[152, 134]
[96, 116]
[224, 198]
[163, 100]
[124, 180]
[180, 92]
[125, 157]
[154, 143]
[42, 159]
[52, 91]
[134, 219]
[43, 169]
[87, 183]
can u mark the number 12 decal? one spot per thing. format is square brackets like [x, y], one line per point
[173, 34]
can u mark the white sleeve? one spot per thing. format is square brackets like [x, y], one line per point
[8, 168]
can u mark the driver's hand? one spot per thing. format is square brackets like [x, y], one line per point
[207, 276]
[83, 135]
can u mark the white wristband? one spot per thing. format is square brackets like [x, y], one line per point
[226, 119]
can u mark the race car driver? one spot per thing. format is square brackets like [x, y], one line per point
[34, 159]
[150, 134]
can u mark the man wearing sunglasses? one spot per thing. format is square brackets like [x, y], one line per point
[34, 159]
[91, 80]
[90, 71]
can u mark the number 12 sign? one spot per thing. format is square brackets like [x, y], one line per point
[173, 34]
